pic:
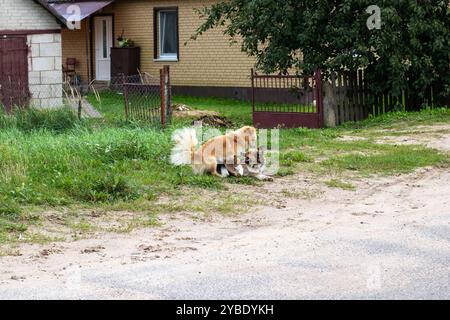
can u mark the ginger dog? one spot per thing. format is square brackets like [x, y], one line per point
[219, 150]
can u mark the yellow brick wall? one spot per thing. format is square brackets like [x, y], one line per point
[74, 46]
[208, 61]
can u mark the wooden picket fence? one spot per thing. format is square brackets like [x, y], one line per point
[348, 98]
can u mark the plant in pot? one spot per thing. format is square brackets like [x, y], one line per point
[124, 42]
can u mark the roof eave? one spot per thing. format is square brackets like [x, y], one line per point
[52, 11]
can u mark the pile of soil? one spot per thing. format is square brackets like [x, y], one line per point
[195, 114]
[181, 107]
[214, 121]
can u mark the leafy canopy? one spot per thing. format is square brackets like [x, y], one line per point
[410, 51]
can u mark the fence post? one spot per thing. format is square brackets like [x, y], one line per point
[125, 91]
[163, 96]
[329, 103]
[253, 90]
[80, 102]
[319, 97]
[167, 93]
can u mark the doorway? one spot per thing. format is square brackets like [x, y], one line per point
[103, 26]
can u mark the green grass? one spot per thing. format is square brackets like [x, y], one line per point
[51, 160]
[56, 121]
[111, 105]
[335, 183]
[239, 112]
[402, 119]
[391, 160]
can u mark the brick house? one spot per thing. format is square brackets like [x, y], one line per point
[162, 30]
[30, 55]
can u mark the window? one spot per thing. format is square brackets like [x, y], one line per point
[105, 40]
[166, 34]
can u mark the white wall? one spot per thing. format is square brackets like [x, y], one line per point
[25, 15]
[44, 70]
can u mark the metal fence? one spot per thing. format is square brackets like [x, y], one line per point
[148, 99]
[287, 100]
[140, 97]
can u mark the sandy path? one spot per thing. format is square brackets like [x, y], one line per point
[388, 239]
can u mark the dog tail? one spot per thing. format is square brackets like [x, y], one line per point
[185, 145]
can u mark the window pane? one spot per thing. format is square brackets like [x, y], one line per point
[168, 32]
[105, 40]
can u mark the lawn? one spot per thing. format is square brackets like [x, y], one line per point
[111, 105]
[52, 161]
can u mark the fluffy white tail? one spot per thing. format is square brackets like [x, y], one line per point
[184, 149]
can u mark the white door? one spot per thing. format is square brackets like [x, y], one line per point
[103, 43]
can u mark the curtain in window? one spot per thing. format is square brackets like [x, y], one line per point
[168, 27]
[105, 39]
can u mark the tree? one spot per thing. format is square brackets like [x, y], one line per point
[409, 52]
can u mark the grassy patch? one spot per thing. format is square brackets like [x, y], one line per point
[11, 218]
[403, 119]
[50, 159]
[335, 183]
[394, 159]
[111, 105]
[305, 194]
[57, 121]
[291, 158]
[239, 112]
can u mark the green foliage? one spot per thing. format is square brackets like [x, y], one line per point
[58, 120]
[291, 158]
[409, 52]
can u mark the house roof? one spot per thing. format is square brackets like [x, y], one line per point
[45, 4]
[58, 8]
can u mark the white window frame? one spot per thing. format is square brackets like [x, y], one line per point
[161, 56]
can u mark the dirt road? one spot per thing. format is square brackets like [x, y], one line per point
[390, 238]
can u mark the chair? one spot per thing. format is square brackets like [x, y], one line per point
[69, 71]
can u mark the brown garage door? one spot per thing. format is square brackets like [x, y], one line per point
[13, 72]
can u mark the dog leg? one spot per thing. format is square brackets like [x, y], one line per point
[211, 165]
[224, 172]
[240, 171]
[262, 177]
